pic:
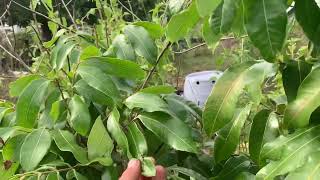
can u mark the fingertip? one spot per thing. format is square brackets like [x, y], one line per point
[134, 163]
[133, 171]
[160, 173]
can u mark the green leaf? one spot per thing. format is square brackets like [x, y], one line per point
[264, 128]
[92, 94]
[233, 167]
[310, 170]
[209, 36]
[206, 7]
[6, 132]
[54, 38]
[34, 148]
[122, 48]
[16, 87]
[170, 130]
[180, 24]
[116, 67]
[62, 55]
[146, 101]
[266, 26]
[58, 111]
[155, 30]
[67, 142]
[223, 17]
[116, 131]
[137, 142]
[8, 173]
[293, 73]
[100, 81]
[308, 15]
[318, 3]
[90, 51]
[11, 149]
[187, 172]
[142, 42]
[54, 176]
[288, 153]
[148, 167]
[227, 140]
[161, 89]
[298, 112]
[245, 176]
[73, 174]
[175, 5]
[99, 142]
[29, 102]
[180, 105]
[221, 104]
[80, 116]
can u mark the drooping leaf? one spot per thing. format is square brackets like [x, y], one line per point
[62, 55]
[117, 133]
[170, 130]
[142, 42]
[73, 174]
[58, 111]
[155, 30]
[80, 116]
[29, 102]
[221, 103]
[54, 176]
[310, 170]
[264, 129]
[182, 107]
[11, 149]
[293, 74]
[228, 137]
[180, 24]
[206, 7]
[116, 67]
[148, 167]
[187, 172]
[288, 153]
[223, 17]
[122, 48]
[100, 81]
[67, 142]
[34, 148]
[148, 102]
[137, 142]
[93, 94]
[308, 14]
[208, 34]
[162, 89]
[233, 167]
[298, 112]
[266, 24]
[99, 142]
[19, 85]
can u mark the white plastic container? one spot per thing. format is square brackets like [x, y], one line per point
[197, 86]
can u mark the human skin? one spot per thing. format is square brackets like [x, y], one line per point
[133, 172]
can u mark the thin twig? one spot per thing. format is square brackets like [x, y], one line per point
[73, 21]
[129, 10]
[7, 10]
[204, 44]
[40, 14]
[16, 58]
[155, 66]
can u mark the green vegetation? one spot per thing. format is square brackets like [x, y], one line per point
[98, 93]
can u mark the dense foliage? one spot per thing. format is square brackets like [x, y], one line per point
[96, 96]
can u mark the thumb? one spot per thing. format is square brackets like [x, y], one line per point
[133, 171]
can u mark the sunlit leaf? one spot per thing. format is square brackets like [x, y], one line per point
[80, 117]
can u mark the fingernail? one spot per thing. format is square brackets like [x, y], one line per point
[133, 162]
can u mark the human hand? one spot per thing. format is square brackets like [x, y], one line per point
[133, 172]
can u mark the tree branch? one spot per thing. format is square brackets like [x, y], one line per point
[16, 58]
[65, 6]
[155, 66]
[7, 10]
